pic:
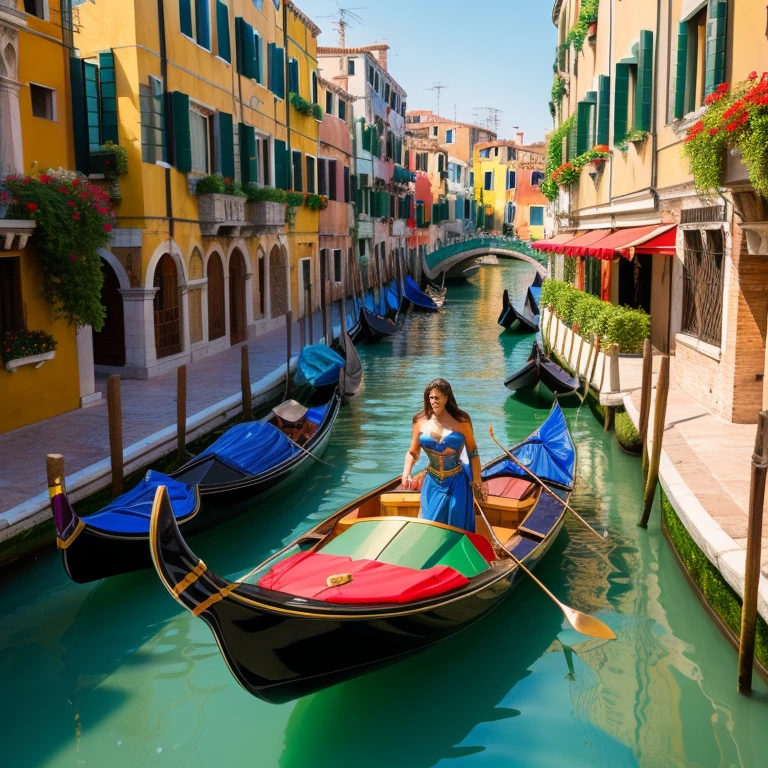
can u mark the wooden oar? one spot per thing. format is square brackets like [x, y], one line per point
[581, 622]
[547, 488]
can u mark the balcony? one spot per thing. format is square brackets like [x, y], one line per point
[265, 217]
[14, 233]
[364, 229]
[222, 215]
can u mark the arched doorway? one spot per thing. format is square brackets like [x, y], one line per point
[237, 321]
[167, 309]
[278, 282]
[216, 313]
[109, 342]
[262, 287]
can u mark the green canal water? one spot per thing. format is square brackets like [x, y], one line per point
[115, 674]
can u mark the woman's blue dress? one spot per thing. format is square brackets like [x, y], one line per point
[448, 498]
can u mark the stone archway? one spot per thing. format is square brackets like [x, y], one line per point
[278, 281]
[167, 311]
[109, 342]
[237, 312]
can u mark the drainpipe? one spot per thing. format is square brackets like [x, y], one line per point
[612, 75]
[654, 114]
[168, 112]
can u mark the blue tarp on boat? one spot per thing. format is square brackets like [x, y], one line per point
[252, 448]
[391, 293]
[318, 366]
[534, 298]
[416, 296]
[548, 452]
[368, 301]
[130, 512]
[317, 414]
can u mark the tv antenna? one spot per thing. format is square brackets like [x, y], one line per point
[492, 119]
[345, 17]
[437, 88]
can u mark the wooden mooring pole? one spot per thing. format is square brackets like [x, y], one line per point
[324, 313]
[245, 384]
[342, 318]
[54, 469]
[115, 415]
[288, 330]
[659, 419]
[754, 546]
[181, 413]
[645, 401]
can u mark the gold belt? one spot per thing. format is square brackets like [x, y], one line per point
[442, 474]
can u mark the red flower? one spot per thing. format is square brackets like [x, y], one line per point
[75, 182]
[723, 87]
[107, 227]
[72, 203]
[714, 131]
[83, 195]
[73, 257]
[31, 207]
[63, 190]
[45, 178]
[75, 216]
[27, 179]
[752, 75]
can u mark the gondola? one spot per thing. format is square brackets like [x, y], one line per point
[374, 326]
[534, 293]
[418, 298]
[352, 376]
[247, 461]
[373, 583]
[517, 319]
[541, 368]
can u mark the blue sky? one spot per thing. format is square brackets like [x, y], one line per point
[490, 53]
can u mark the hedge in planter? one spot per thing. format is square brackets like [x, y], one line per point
[626, 433]
[74, 219]
[216, 184]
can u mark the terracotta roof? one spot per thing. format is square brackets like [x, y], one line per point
[536, 149]
[303, 18]
[442, 120]
[361, 49]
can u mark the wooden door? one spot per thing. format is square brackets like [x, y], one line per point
[216, 314]
[237, 321]
[167, 310]
[109, 342]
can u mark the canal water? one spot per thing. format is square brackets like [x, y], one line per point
[115, 674]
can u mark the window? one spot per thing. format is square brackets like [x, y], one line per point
[450, 136]
[332, 180]
[347, 189]
[200, 137]
[342, 110]
[298, 185]
[511, 179]
[11, 305]
[376, 82]
[509, 214]
[153, 148]
[592, 272]
[488, 184]
[262, 145]
[315, 98]
[471, 178]
[633, 90]
[422, 161]
[35, 8]
[329, 102]
[350, 66]
[536, 178]
[537, 216]
[485, 152]
[43, 101]
[387, 92]
[293, 76]
[337, 266]
[322, 176]
[433, 131]
[311, 174]
[511, 154]
[703, 285]
[370, 75]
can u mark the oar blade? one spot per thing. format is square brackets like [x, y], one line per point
[586, 624]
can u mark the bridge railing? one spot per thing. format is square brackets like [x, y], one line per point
[473, 243]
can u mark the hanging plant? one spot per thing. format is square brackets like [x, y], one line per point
[580, 30]
[304, 107]
[74, 219]
[734, 118]
[548, 187]
[315, 202]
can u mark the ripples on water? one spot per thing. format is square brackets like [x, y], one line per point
[114, 674]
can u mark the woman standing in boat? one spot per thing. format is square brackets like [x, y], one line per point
[442, 429]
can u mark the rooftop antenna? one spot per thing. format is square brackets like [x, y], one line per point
[437, 87]
[345, 17]
[492, 120]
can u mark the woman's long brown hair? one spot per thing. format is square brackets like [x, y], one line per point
[451, 406]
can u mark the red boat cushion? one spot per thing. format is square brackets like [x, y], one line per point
[509, 487]
[304, 575]
[483, 546]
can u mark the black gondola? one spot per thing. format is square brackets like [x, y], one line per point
[374, 326]
[514, 319]
[209, 489]
[541, 368]
[370, 585]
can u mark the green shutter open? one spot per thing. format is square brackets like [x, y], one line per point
[245, 42]
[108, 92]
[203, 19]
[185, 17]
[621, 102]
[93, 115]
[248, 159]
[79, 119]
[717, 17]
[182, 139]
[583, 120]
[681, 64]
[282, 175]
[277, 71]
[603, 109]
[573, 139]
[257, 53]
[298, 176]
[222, 32]
[226, 145]
[643, 106]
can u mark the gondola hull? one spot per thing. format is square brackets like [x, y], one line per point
[539, 368]
[374, 327]
[91, 554]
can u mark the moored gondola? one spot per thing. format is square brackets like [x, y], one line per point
[534, 293]
[540, 368]
[373, 583]
[374, 326]
[248, 461]
[517, 319]
[418, 298]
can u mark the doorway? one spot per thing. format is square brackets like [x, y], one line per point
[109, 342]
[216, 314]
[167, 311]
[237, 318]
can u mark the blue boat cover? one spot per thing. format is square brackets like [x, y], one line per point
[534, 297]
[548, 452]
[130, 512]
[318, 366]
[252, 448]
[317, 414]
[382, 309]
[368, 301]
[392, 300]
[416, 296]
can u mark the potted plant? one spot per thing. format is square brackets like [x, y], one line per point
[23, 347]
[265, 206]
[110, 160]
[220, 200]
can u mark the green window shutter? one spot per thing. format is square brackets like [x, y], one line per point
[257, 53]
[93, 115]
[603, 109]
[717, 17]
[644, 91]
[621, 100]
[203, 18]
[223, 46]
[245, 42]
[678, 83]
[573, 139]
[293, 76]
[79, 119]
[298, 177]
[182, 139]
[277, 71]
[282, 174]
[365, 138]
[185, 14]
[226, 145]
[108, 92]
[248, 159]
[583, 119]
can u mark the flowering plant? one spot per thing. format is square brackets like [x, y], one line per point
[74, 219]
[735, 117]
[216, 184]
[22, 343]
[315, 202]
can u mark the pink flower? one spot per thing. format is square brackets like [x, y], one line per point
[73, 257]
[753, 75]
[31, 207]
[107, 227]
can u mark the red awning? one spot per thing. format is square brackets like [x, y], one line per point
[555, 244]
[655, 238]
[580, 245]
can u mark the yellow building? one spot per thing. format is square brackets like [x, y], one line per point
[205, 89]
[35, 132]
[506, 179]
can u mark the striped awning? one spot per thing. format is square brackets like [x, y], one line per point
[555, 244]
[655, 238]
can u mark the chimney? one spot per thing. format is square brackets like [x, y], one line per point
[520, 141]
[381, 55]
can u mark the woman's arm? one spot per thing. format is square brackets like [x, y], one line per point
[478, 486]
[412, 456]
